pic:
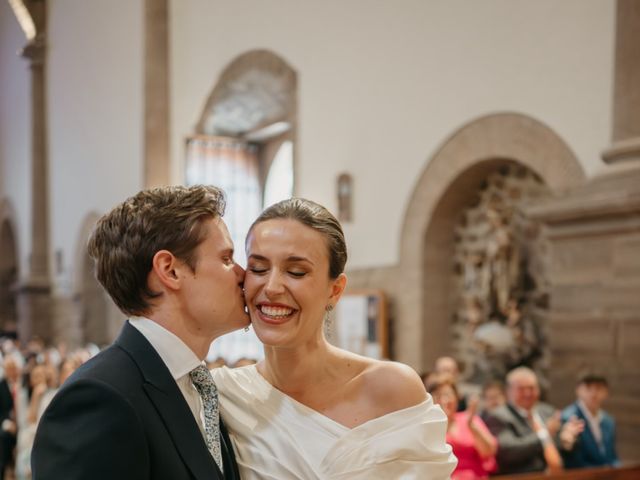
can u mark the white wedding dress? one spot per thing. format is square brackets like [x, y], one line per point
[277, 438]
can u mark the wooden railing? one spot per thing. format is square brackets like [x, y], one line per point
[622, 473]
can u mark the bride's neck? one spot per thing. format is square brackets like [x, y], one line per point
[293, 370]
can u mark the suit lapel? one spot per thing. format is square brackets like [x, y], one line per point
[521, 422]
[230, 466]
[589, 441]
[165, 395]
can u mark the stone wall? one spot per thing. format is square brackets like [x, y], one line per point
[594, 318]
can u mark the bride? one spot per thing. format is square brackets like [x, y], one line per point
[310, 410]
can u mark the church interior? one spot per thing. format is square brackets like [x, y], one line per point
[483, 159]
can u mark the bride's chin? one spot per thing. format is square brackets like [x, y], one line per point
[269, 338]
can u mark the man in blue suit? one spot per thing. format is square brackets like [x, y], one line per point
[595, 446]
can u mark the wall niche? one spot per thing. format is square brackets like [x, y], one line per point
[501, 294]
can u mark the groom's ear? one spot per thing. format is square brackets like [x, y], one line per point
[165, 271]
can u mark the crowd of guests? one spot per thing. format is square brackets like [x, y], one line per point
[30, 376]
[506, 429]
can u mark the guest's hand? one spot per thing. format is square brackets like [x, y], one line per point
[39, 390]
[9, 426]
[570, 431]
[554, 423]
[472, 410]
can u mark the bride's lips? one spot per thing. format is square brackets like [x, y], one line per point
[274, 313]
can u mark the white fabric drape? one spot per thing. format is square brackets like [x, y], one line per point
[232, 165]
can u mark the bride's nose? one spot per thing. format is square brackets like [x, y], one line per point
[273, 286]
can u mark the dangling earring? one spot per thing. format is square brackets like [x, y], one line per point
[246, 329]
[328, 323]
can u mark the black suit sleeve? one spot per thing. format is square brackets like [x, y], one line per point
[513, 450]
[6, 401]
[90, 431]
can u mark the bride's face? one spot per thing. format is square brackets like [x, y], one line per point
[287, 284]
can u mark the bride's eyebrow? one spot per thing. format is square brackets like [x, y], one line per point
[294, 258]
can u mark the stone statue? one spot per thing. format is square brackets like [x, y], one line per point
[502, 261]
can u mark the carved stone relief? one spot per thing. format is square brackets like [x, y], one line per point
[499, 276]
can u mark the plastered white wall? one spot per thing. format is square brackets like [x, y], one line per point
[383, 84]
[15, 131]
[95, 114]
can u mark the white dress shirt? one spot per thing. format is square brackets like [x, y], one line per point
[594, 422]
[543, 434]
[178, 358]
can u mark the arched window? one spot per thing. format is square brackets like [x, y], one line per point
[279, 183]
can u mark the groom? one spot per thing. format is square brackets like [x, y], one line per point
[146, 407]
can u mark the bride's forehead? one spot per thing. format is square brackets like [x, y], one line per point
[284, 228]
[286, 236]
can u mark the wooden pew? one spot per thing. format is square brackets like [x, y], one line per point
[631, 472]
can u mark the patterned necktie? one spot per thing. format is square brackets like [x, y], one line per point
[207, 389]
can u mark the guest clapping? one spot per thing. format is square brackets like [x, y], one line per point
[526, 428]
[472, 443]
[594, 445]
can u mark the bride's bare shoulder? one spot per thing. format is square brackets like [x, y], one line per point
[393, 385]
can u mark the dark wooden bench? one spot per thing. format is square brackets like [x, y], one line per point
[631, 472]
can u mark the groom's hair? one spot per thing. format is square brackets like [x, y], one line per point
[125, 240]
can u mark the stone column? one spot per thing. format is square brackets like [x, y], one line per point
[594, 264]
[156, 94]
[34, 295]
[626, 94]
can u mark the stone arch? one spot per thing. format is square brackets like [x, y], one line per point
[260, 85]
[9, 269]
[445, 186]
[254, 99]
[98, 319]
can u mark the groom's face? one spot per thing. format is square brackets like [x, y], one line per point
[213, 297]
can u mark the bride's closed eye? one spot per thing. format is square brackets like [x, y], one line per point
[256, 269]
[297, 273]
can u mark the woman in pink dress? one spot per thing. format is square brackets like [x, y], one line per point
[467, 434]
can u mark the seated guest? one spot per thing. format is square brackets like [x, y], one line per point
[449, 366]
[526, 428]
[38, 387]
[595, 445]
[11, 398]
[493, 396]
[471, 441]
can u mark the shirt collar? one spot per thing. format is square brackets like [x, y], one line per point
[587, 413]
[523, 412]
[176, 355]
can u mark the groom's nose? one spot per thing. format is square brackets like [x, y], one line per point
[239, 273]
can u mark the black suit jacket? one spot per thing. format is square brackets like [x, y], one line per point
[122, 416]
[6, 400]
[519, 448]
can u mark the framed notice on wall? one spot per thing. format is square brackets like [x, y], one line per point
[360, 324]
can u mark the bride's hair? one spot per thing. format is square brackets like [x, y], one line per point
[315, 216]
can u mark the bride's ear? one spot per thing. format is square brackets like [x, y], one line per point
[337, 288]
